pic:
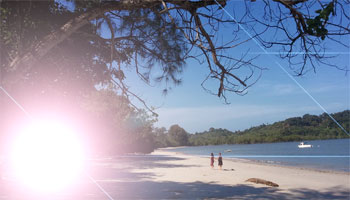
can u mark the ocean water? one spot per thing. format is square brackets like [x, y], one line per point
[324, 155]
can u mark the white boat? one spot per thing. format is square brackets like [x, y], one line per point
[304, 145]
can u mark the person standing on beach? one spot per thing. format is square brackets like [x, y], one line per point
[212, 160]
[220, 161]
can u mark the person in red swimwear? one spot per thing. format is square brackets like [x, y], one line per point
[212, 160]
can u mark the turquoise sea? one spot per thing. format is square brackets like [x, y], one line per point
[324, 155]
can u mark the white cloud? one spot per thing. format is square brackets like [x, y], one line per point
[279, 89]
[329, 88]
[284, 89]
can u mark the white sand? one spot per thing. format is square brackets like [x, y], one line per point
[166, 175]
[236, 172]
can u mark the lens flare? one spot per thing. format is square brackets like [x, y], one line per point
[47, 156]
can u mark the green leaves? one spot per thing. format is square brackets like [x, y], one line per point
[316, 26]
[178, 135]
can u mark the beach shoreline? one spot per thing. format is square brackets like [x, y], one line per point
[171, 175]
[289, 178]
[251, 161]
[287, 164]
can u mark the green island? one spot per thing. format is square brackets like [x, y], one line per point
[307, 127]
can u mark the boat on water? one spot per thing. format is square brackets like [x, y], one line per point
[228, 150]
[304, 145]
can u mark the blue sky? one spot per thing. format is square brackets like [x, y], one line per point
[273, 98]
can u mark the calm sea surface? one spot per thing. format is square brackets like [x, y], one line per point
[324, 155]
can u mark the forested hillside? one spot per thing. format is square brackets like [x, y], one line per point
[307, 127]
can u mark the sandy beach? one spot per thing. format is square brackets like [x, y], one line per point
[166, 175]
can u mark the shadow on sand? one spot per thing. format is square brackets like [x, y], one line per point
[119, 179]
[198, 190]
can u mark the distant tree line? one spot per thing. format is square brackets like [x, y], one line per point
[308, 127]
[114, 126]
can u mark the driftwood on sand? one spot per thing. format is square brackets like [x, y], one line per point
[262, 181]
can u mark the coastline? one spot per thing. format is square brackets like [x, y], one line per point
[252, 161]
[288, 166]
[291, 180]
[326, 155]
[171, 175]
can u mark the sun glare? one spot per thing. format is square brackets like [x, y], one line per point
[47, 156]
